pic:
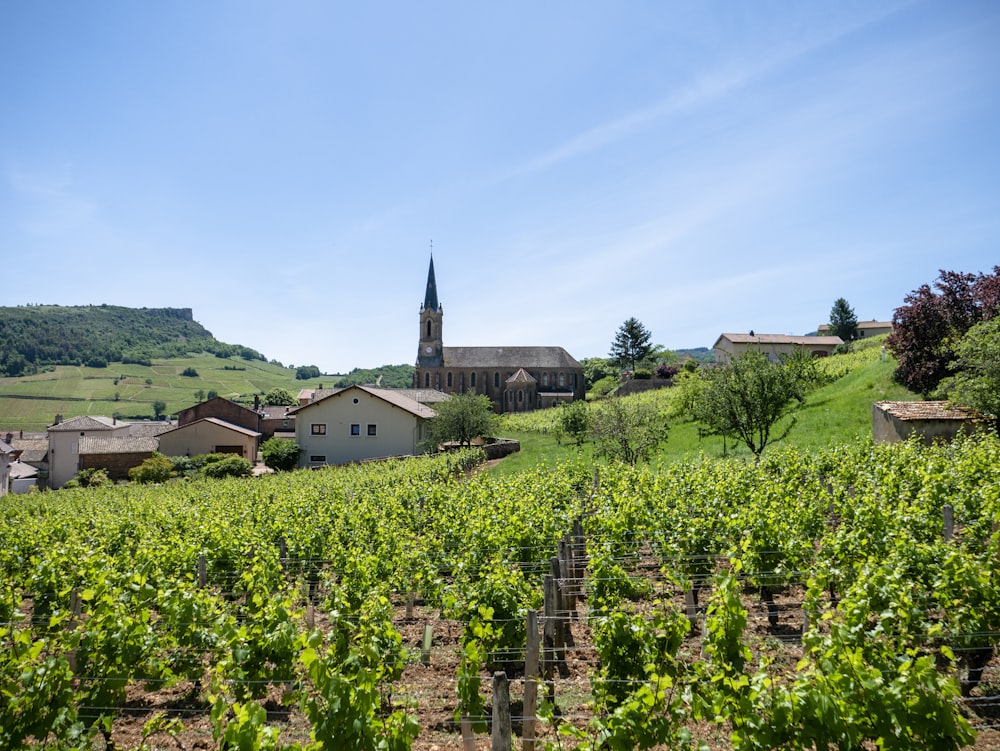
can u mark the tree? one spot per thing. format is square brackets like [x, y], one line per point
[462, 418]
[628, 430]
[927, 329]
[199, 395]
[746, 397]
[305, 372]
[631, 344]
[280, 397]
[280, 454]
[596, 368]
[843, 322]
[574, 420]
[156, 468]
[159, 407]
[976, 382]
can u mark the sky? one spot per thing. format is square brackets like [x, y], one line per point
[287, 169]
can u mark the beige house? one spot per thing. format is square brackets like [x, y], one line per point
[6, 459]
[775, 346]
[64, 443]
[866, 329]
[893, 422]
[210, 435]
[358, 423]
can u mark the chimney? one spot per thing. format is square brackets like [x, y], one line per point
[256, 402]
[10, 437]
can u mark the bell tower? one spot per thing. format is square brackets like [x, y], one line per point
[431, 350]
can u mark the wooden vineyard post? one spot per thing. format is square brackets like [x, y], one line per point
[410, 597]
[310, 616]
[425, 648]
[468, 737]
[530, 682]
[501, 736]
[559, 607]
[548, 637]
[579, 557]
[949, 522]
[691, 606]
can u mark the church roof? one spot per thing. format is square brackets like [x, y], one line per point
[521, 376]
[431, 295]
[509, 357]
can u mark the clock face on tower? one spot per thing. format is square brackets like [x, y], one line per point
[428, 349]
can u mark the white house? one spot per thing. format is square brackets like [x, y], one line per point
[357, 423]
[6, 459]
[64, 443]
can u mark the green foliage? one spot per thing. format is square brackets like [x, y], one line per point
[159, 407]
[386, 376]
[45, 335]
[229, 466]
[603, 387]
[746, 397]
[574, 420]
[631, 344]
[280, 397]
[305, 372]
[189, 373]
[843, 321]
[155, 469]
[628, 431]
[92, 477]
[596, 368]
[976, 382]
[461, 418]
[280, 454]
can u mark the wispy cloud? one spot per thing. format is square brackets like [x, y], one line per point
[53, 207]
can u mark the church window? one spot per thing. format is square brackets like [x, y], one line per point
[545, 379]
[496, 380]
[428, 329]
[520, 395]
[427, 380]
[562, 380]
[449, 379]
[472, 380]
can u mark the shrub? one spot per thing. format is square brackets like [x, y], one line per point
[667, 371]
[189, 372]
[156, 468]
[230, 466]
[603, 387]
[280, 454]
[642, 374]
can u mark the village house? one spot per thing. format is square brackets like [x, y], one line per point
[210, 435]
[516, 379]
[774, 346]
[866, 329]
[357, 423]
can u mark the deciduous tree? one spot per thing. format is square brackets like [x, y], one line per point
[628, 430]
[927, 329]
[462, 418]
[280, 454]
[976, 382]
[279, 397]
[746, 397]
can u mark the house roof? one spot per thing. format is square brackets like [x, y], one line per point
[87, 422]
[522, 376]
[202, 406]
[873, 324]
[32, 449]
[127, 444]
[150, 429]
[509, 357]
[21, 470]
[274, 412]
[5, 449]
[221, 424]
[395, 397]
[908, 411]
[822, 341]
[427, 396]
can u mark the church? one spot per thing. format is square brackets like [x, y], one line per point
[516, 379]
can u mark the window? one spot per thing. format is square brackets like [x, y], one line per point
[562, 380]
[371, 429]
[449, 379]
[496, 380]
[355, 429]
[472, 380]
[318, 428]
[427, 380]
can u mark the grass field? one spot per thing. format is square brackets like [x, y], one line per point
[31, 403]
[836, 414]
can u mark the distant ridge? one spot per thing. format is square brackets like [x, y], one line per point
[35, 337]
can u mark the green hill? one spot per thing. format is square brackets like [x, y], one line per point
[34, 338]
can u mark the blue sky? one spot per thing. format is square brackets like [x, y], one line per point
[283, 168]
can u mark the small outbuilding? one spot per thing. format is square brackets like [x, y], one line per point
[210, 435]
[893, 422]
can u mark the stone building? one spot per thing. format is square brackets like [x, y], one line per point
[516, 379]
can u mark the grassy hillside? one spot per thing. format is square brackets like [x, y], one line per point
[35, 337]
[833, 415]
[31, 402]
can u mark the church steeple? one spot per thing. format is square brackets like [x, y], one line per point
[431, 295]
[430, 352]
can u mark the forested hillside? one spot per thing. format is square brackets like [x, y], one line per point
[38, 336]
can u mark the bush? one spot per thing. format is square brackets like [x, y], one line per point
[230, 466]
[667, 371]
[156, 468]
[603, 387]
[642, 374]
[280, 454]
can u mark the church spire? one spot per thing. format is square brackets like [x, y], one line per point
[431, 295]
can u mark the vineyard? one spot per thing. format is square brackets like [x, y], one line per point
[839, 599]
